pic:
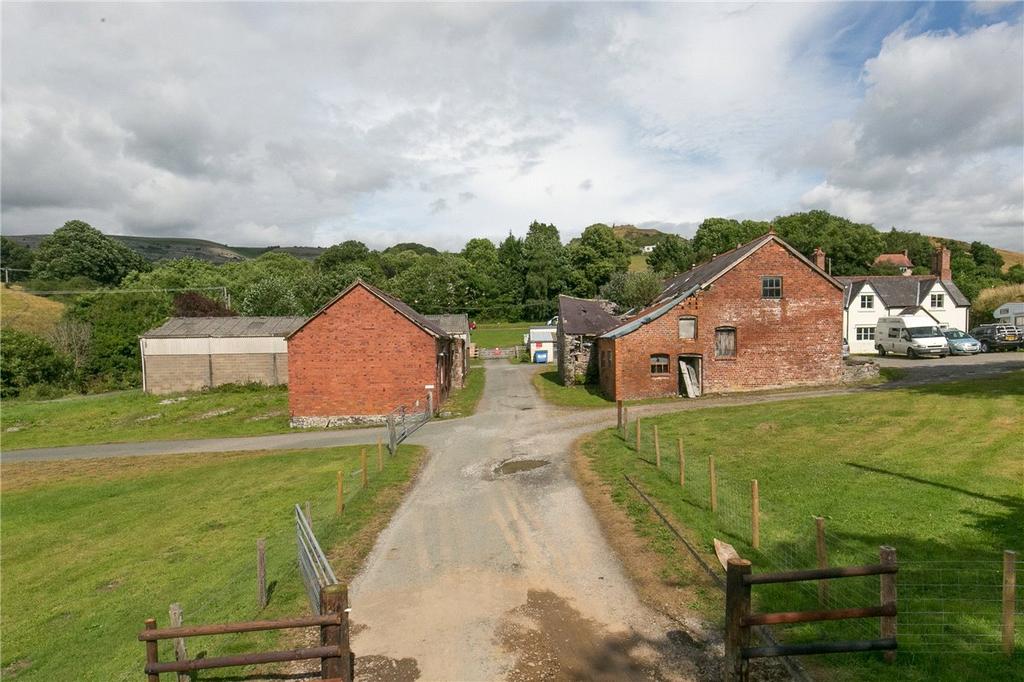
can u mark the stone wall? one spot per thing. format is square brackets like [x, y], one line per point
[577, 360]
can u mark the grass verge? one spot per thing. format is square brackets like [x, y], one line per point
[92, 548]
[463, 401]
[935, 471]
[551, 389]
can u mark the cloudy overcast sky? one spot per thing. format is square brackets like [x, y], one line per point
[258, 124]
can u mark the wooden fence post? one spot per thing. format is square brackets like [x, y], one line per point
[180, 651]
[638, 435]
[1009, 598]
[755, 515]
[737, 608]
[887, 587]
[682, 464]
[657, 448]
[334, 601]
[618, 414]
[152, 653]
[339, 505]
[821, 552]
[392, 436]
[380, 455]
[362, 462]
[309, 515]
[713, 481]
[261, 573]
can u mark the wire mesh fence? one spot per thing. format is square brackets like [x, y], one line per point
[331, 509]
[949, 607]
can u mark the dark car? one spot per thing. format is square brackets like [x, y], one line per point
[998, 337]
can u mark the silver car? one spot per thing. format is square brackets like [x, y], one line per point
[961, 343]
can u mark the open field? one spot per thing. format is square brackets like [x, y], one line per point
[501, 334]
[638, 263]
[935, 471]
[92, 548]
[34, 314]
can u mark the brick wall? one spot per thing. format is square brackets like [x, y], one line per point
[179, 373]
[796, 340]
[360, 357]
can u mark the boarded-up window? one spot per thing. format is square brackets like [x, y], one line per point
[725, 342]
[687, 327]
[659, 364]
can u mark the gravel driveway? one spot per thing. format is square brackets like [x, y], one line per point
[495, 567]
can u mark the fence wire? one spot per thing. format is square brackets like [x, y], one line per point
[948, 607]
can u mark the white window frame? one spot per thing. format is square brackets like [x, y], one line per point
[864, 332]
[941, 299]
[869, 299]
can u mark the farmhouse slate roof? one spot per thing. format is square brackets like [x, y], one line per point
[451, 324]
[681, 287]
[584, 317]
[897, 291]
[225, 327]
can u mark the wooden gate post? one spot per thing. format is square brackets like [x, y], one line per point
[713, 482]
[821, 552]
[392, 436]
[362, 462]
[152, 652]
[180, 651]
[339, 504]
[682, 463]
[334, 601]
[380, 455]
[1009, 598]
[755, 515]
[618, 414]
[737, 608]
[657, 448]
[261, 573]
[887, 582]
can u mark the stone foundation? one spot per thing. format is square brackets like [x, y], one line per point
[334, 422]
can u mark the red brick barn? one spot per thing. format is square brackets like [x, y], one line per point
[361, 356]
[759, 316]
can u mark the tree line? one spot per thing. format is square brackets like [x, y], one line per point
[95, 346]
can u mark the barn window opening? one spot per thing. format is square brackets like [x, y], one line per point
[687, 327]
[771, 287]
[725, 342]
[659, 364]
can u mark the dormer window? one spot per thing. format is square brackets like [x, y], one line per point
[938, 300]
[867, 301]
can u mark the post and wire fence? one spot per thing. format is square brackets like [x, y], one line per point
[945, 606]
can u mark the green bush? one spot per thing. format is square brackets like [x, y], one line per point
[28, 361]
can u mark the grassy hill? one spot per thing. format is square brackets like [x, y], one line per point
[641, 236]
[25, 312]
[159, 248]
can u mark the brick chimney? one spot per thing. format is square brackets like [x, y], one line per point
[819, 258]
[940, 264]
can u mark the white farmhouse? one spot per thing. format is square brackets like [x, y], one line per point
[868, 298]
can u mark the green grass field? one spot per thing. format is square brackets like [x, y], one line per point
[937, 472]
[92, 548]
[501, 334]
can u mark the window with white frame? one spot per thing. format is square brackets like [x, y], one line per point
[687, 327]
[938, 300]
[865, 333]
[867, 301]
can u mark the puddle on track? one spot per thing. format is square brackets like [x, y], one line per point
[516, 466]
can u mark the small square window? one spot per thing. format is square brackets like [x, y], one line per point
[687, 327]
[659, 364]
[867, 301]
[865, 333]
[771, 287]
[938, 300]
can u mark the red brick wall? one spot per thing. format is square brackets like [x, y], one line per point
[359, 357]
[796, 340]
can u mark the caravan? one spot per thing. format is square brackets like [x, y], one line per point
[910, 336]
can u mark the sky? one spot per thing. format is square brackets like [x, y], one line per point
[309, 124]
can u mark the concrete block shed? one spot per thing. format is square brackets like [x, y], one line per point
[193, 353]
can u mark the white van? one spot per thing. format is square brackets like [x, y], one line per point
[910, 336]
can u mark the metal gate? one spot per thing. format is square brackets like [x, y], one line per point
[316, 572]
[402, 423]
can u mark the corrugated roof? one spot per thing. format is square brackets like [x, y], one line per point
[542, 335]
[897, 291]
[225, 327]
[451, 323]
[583, 316]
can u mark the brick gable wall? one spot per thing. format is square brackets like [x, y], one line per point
[796, 340]
[360, 357]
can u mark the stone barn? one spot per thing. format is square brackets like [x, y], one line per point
[363, 355]
[580, 322]
[759, 316]
[193, 353]
[457, 327]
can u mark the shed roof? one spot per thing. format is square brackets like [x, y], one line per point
[400, 306]
[584, 316]
[542, 335]
[225, 327]
[451, 323]
[897, 291]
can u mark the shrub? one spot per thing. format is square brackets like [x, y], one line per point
[27, 360]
